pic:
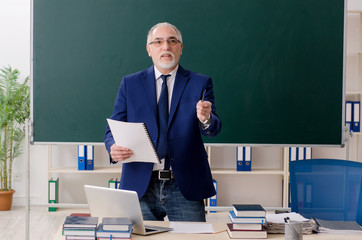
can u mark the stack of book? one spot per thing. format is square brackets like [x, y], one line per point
[114, 228]
[80, 227]
[247, 221]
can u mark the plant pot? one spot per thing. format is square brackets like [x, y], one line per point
[6, 199]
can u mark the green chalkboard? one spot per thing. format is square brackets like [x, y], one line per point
[277, 65]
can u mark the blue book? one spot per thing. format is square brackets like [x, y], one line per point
[234, 219]
[100, 233]
[80, 222]
[249, 210]
[116, 224]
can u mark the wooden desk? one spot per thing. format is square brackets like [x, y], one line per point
[221, 234]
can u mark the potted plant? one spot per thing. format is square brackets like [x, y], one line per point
[14, 110]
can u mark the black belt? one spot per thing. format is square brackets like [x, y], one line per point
[163, 174]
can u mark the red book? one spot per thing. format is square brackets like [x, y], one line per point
[235, 233]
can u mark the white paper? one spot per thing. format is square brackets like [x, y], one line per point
[135, 137]
[279, 218]
[180, 227]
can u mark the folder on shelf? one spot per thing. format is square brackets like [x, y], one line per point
[213, 199]
[118, 181]
[82, 151]
[112, 183]
[308, 153]
[300, 155]
[348, 116]
[90, 158]
[53, 193]
[239, 158]
[292, 153]
[247, 158]
[356, 116]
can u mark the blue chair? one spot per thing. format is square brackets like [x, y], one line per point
[327, 189]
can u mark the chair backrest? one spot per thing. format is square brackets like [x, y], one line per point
[327, 189]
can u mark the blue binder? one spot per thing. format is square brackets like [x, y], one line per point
[300, 153]
[213, 199]
[247, 158]
[348, 115]
[239, 159]
[90, 158]
[82, 151]
[292, 154]
[118, 181]
[308, 153]
[356, 116]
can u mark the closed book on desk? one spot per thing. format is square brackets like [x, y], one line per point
[112, 234]
[79, 232]
[249, 210]
[80, 222]
[234, 219]
[233, 233]
[248, 226]
[116, 224]
[68, 237]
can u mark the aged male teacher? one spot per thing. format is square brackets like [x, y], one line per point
[177, 106]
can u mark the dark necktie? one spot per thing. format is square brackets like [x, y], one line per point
[162, 122]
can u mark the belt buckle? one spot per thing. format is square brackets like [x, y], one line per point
[164, 175]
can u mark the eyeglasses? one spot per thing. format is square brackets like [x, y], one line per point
[170, 42]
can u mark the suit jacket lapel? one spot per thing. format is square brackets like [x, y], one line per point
[179, 86]
[148, 78]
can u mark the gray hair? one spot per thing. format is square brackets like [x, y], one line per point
[179, 36]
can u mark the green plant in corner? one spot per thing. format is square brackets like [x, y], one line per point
[14, 110]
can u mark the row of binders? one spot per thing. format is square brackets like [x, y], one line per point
[353, 115]
[243, 158]
[85, 227]
[247, 221]
[300, 153]
[85, 157]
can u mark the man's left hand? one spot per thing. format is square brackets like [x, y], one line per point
[203, 110]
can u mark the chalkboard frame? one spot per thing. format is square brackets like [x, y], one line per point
[38, 129]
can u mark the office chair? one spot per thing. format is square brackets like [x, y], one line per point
[327, 189]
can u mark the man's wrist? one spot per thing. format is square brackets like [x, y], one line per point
[206, 124]
[207, 121]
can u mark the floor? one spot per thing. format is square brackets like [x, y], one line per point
[44, 224]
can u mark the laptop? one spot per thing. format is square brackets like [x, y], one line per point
[109, 202]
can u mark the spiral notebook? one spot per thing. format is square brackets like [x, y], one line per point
[134, 136]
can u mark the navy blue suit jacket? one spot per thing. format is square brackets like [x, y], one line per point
[136, 102]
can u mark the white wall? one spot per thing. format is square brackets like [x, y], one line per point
[15, 51]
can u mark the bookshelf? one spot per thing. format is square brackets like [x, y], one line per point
[354, 75]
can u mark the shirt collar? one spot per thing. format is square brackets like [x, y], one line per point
[158, 73]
